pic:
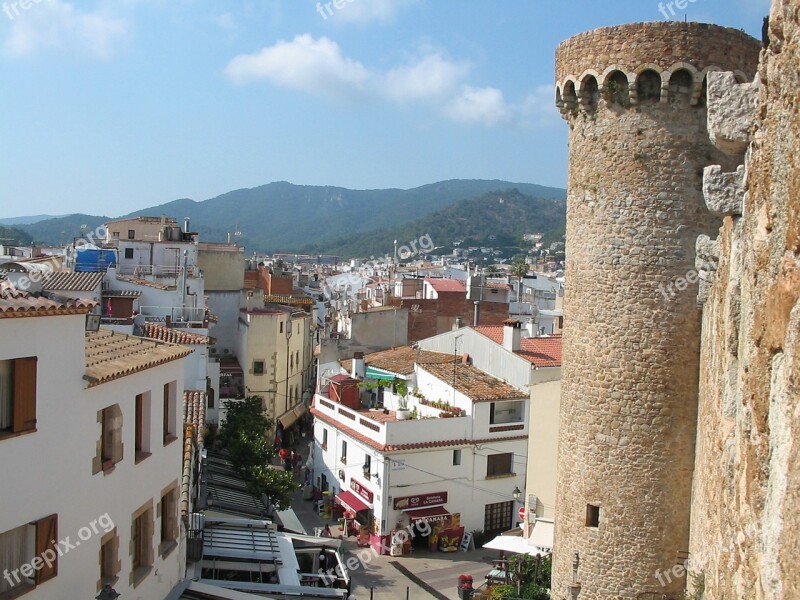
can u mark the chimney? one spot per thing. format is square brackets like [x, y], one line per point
[359, 370]
[458, 324]
[511, 335]
[530, 328]
[476, 318]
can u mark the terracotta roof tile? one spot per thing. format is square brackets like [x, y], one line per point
[405, 447]
[110, 355]
[173, 336]
[401, 360]
[541, 351]
[477, 385]
[446, 285]
[16, 303]
[72, 282]
[144, 282]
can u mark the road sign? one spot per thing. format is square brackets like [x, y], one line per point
[521, 513]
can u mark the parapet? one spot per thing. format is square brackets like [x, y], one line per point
[656, 63]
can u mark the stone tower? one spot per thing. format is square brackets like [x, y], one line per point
[634, 98]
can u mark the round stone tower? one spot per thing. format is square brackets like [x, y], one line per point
[634, 98]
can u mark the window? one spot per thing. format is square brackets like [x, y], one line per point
[344, 452]
[280, 327]
[498, 465]
[131, 234]
[210, 398]
[497, 517]
[297, 358]
[110, 444]
[169, 521]
[115, 234]
[456, 457]
[258, 367]
[109, 558]
[170, 417]
[324, 439]
[501, 413]
[367, 465]
[592, 515]
[142, 427]
[19, 547]
[141, 543]
[291, 361]
[128, 252]
[17, 396]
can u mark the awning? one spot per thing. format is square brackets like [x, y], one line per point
[376, 373]
[511, 543]
[433, 513]
[542, 535]
[290, 417]
[288, 518]
[350, 501]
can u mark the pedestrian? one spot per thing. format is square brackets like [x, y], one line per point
[285, 457]
[327, 531]
[296, 462]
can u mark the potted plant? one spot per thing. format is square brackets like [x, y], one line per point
[401, 388]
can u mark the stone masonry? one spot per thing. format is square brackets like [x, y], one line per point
[635, 100]
[745, 532]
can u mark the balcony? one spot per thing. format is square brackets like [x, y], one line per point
[384, 428]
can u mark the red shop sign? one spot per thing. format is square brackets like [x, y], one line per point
[361, 490]
[421, 501]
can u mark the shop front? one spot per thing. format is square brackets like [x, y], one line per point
[357, 506]
[429, 524]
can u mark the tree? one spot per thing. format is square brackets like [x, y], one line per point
[519, 268]
[244, 437]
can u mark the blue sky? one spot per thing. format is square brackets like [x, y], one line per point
[111, 106]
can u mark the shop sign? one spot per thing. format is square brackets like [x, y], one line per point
[421, 501]
[361, 490]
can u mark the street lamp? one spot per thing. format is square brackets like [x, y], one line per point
[107, 593]
[516, 493]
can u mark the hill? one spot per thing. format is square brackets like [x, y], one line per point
[285, 217]
[497, 219]
[12, 236]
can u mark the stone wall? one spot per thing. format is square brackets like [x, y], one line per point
[638, 143]
[745, 534]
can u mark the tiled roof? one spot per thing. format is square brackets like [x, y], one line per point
[446, 285]
[541, 351]
[400, 360]
[144, 282]
[173, 336]
[73, 282]
[475, 384]
[112, 355]
[121, 293]
[194, 412]
[405, 447]
[15, 303]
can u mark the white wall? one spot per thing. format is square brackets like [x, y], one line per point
[50, 470]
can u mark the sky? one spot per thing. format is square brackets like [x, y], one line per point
[111, 106]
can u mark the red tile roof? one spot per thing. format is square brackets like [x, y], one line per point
[475, 384]
[173, 336]
[541, 351]
[16, 303]
[405, 447]
[401, 360]
[112, 355]
[446, 285]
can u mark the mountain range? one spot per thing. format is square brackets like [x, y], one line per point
[285, 217]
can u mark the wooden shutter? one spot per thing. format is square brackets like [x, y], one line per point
[24, 412]
[47, 548]
[139, 423]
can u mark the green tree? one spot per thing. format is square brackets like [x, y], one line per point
[244, 437]
[519, 268]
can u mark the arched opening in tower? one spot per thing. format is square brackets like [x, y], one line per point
[616, 87]
[681, 84]
[590, 93]
[648, 86]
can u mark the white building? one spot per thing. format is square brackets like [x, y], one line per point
[90, 456]
[454, 463]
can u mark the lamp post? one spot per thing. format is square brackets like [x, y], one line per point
[289, 325]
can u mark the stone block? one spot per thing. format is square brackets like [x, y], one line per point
[732, 111]
[723, 192]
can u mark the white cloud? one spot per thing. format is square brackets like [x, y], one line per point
[539, 107]
[485, 106]
[432, 76]
[56, 24]
[318, 66]
[304, 64]
[364, 11]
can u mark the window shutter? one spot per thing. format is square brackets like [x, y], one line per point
[24, 394]
[47, 548]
